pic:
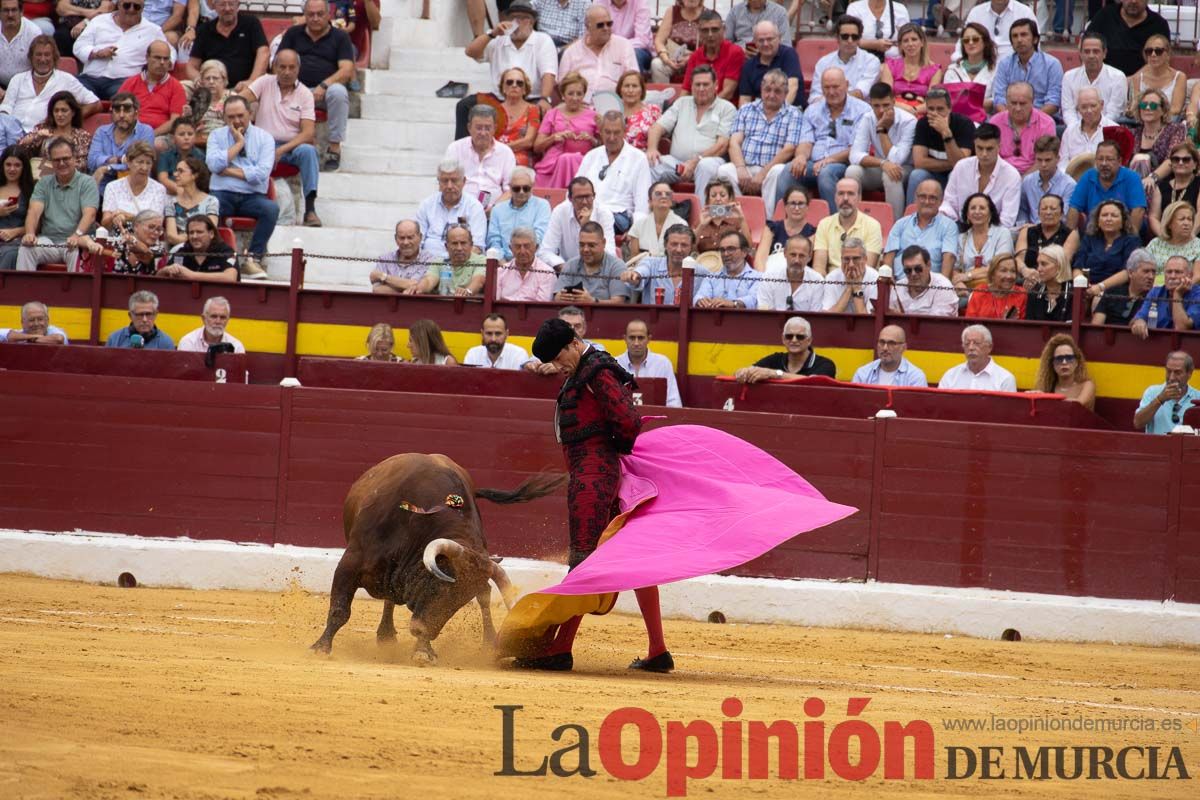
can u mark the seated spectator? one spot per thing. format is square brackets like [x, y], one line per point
[823, 155]
[73, 18]
[142, 333]
[663, 272]
[381, 342]
[125, 197]
[1158, 74]
[721, 215]
[561, 243]
[106, 156]
[717, 53]
[234, 38]
[798, 357]
[168, 15]
[639, 115]
[699, 125]
[286, 111]
[846, 223]
[1048, 230]
[736, 285]
[113, 46]
[1094, 73]
[496, 351]
[794, 285]
[487, 164]
[980, 372]
[1000, 23]
[595, 275]
[912, 73]
[619, 172]
[427, 346]
[1120, 305]
[62, 210]
[16, 34]
[40, 13]
[449, 206]
[1046, 178]
[631, 19]
[522, 118]
[1049, 287]
[183, 146]
[891, 368]
[921, 289]
[191, 198]
[771, 57]
[326, 66]
[1028, 64]
[1063, 370]
[160, 96]
[941, 139]
[882, 20]
[641, 362]
[597, 55]
[646, 234]
[35, 327]
[777, 232]
[1178, 238]
[1020, 126]
[1000, 298]
[861, 67]
[983, 240]
[1001, 180]
[1154, 138]
[1105, 249]
[241, 157]
[563, 20]
[1108, 180]
[205, 257]
[1163, 405]
[1173, 306]
[764, 139]
[744, 18]
[215, 316]
[677, 38]
[468, 270]
[206, 103]
[520, 210]
[16, 189]
[137, 248]
[26, 97]
[1183, 184]
[974, 62]
[399, 271]
[525, 278]
[1081, 137]
[568, 131]
[936, 234]
[881, 155]
[851, 288]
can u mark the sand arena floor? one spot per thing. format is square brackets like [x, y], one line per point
[155, 693]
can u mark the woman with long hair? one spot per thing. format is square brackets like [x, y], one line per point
[426, 344]
[1106, 247]
[912, 73]
[676, 39]
[794, 223]
[1062, 369]
[191, 198]
[977, 64]
[1050, 293]
[981, 241]
[16, 187]
[64, 118]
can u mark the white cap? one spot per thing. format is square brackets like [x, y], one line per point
[1080, 282]
[493, 254]
[290, 383]
[884, 271]
[297, 243]
[885, 413]
[690, 263]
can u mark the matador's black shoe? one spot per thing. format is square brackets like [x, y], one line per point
[660, 663]
[559, 662]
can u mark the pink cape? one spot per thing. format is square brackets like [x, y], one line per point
[698, 501]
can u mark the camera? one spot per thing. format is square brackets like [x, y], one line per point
[719, 211]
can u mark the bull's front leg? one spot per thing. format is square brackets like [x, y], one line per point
[341, 594]
[484, 599]
[423, 653]
[386, 633]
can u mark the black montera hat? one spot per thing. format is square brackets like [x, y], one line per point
[552, 337]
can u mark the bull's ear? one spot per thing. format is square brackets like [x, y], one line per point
[496, 559]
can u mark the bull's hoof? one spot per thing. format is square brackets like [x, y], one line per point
[385, 639]
[424, 658]
[321, 646]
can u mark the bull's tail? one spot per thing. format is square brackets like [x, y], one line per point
[534, 487]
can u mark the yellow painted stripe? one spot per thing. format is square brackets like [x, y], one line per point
[77, 322]
[258, 335]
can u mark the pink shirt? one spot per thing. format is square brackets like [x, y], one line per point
[1039, 125]
[487, 177]
[632, 22]
[280, 115]
[601, 70]
[537, 286]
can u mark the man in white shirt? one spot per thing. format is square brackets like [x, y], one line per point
[16, 35]
[113, 47]
[35, 327]
[997, 16]
[795, 286]
[860, 66]
[561, 242]
[881, 155]
[1081, 137]
[891, 368]
[29, 92]
[640, 362]
[496, 352]
[215, 316]
[620, 173]
[1093, 73]
[851, 288]
[980, 373]
[921, 289]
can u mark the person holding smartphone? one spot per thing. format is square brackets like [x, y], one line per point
[1163, 405]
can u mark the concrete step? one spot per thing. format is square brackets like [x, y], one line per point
[407, 108]
[433, 58]
[367, 215]
[424, 83]
[388, 160]
[425, 135]
[378, 187]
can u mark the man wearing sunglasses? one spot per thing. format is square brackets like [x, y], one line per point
[860, 67]
[891, 368]
[1094, 73]
[1126, 26]
[1163, 405]
[106, 156]
[1028, 64]
[598, 55]
[798, 357]
[520, 210]
[113, 47]
[998, 17]
[921, 290]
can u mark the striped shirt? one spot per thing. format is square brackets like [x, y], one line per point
[762, 138]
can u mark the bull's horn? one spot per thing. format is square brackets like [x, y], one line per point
[441, 547]
[500, 578]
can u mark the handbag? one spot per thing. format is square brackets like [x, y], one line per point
[967, 99]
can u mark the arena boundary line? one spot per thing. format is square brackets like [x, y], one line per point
[982, 613]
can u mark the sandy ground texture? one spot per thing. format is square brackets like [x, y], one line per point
[156, 693]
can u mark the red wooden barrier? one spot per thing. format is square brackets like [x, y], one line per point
[89, 360]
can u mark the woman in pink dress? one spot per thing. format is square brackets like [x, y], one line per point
[912, 73]
[639, 115]
[568, 131]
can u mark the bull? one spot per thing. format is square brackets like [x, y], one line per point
[414, 537]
